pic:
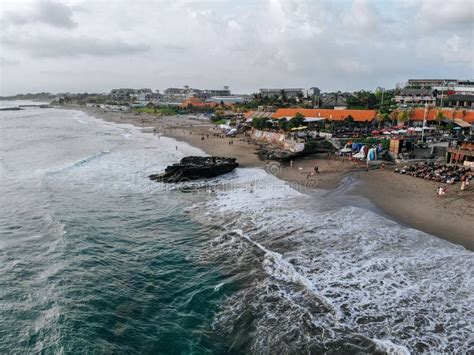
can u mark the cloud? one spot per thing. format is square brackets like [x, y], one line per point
[335, 45]
[6, 62]
[48, 12]
[57, 47]
[362, 18]
[442, 14]
[459, 50]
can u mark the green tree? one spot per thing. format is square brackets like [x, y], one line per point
[296, 121]
[259, 122]
[283, 123]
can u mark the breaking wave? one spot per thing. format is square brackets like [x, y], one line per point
[320, 277]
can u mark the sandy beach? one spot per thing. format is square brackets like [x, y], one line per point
[410, 201]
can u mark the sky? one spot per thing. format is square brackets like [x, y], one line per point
[347, 45]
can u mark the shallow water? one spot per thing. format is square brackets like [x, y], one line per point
[95, 257]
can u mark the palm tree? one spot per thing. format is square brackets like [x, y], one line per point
[439, 117]
[379, 118]
[403, 117]
[394, 115]
[411, 112]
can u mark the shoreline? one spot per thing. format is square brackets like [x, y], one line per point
[406, 200]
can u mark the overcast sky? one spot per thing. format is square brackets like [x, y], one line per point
[94, 46]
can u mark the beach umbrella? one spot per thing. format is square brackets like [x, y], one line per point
[457, 128]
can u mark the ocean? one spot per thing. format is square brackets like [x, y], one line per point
[96, 258]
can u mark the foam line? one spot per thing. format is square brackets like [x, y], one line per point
[287, 270]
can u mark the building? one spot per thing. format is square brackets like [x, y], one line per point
[208, 93]
[289, 93]
[459, 100]
[228, 100]
[360, 116]
[462, 154]
[121, 94]
[313, 92]
[449, 115]
[415, 97]
[437, 92]
[197, 103]
[142, 95]
[180, 94]
[429, 83]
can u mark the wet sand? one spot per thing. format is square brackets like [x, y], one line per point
[409, 201]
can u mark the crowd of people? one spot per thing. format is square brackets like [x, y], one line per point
[448, 174]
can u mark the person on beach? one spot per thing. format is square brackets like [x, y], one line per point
[316, 169]
[291, 163]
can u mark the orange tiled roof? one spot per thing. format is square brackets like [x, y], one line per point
[249, 114]
[419, 114]
[196, 102]
[331, 115]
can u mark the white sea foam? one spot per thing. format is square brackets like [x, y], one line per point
[382, 280]
[218, 287]
[390, 348]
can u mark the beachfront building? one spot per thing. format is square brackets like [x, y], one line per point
[195, 102]
[358, 116]
[461, 118]
[461, 153]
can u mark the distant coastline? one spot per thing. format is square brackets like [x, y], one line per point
[412, 202]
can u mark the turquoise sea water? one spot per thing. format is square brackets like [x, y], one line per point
[96, 258]
[93, 257]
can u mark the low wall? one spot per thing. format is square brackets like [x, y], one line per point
[277, 139]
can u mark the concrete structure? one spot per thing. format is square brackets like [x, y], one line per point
[226, 99]
[121, 94]
[461, 154]
[458, 100]
[180, 94]
[289, 92]
[313, 92]
[142, 95]
[208, 93]
[429, 83]
[415, 97]
[436, 92]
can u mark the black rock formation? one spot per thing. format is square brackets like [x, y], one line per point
[193, 168]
